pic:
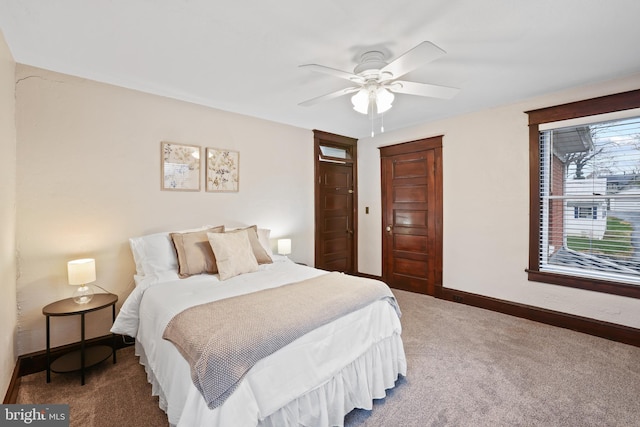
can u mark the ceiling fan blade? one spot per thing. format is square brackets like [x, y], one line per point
[329, 96]
[422, 89]
[333, 72]
[409, 61]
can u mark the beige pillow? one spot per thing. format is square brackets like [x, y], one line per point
[262, 256]
[233, 252]
[194, 252]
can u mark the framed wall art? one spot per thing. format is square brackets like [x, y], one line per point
[223, 170]
[180, 167]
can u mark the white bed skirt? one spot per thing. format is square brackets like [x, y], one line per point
[355, 386]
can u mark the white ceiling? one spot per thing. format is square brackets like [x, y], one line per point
[243, 55]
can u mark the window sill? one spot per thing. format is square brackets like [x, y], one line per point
[615, 288]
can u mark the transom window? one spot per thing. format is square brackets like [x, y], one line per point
[335, 154]
[585, 196]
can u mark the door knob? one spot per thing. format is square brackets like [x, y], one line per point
[389, 228]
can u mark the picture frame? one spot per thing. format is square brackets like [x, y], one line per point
[222, 170]
[180, 167]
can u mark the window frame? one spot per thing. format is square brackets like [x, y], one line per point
[573, 110]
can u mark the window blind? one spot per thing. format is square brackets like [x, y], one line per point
[590, 200]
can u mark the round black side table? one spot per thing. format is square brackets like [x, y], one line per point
[85, 357]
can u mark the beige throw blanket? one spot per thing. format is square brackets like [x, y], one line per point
[223, 339]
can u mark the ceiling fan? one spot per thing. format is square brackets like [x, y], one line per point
[375, 80]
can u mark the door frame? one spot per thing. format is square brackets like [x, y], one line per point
[321, 138]
[431, 143]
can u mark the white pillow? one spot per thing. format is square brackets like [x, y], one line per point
[263, 238]
[234, 255]
[154, 253]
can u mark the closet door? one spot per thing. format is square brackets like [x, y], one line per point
[412, 215]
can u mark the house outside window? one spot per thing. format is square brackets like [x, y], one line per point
[585, 197]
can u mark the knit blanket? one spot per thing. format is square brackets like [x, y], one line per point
[223, 339]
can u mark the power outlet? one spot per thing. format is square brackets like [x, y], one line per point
[457, 298]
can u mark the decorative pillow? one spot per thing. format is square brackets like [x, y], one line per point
[194, 252]
[261, 254]
[155, 253]
[234, 255]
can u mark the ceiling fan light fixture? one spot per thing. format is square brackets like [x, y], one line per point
[370, 99]
[376, 80]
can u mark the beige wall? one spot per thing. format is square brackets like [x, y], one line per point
[89, 178]
[486, 207]
[8, 317]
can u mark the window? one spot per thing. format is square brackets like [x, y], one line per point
[585, 212]
[335, 154]
[585, 194]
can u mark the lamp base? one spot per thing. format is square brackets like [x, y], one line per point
[83, 294]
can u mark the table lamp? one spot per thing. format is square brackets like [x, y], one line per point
[284, 246]
[82, 272]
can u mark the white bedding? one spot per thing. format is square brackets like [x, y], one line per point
[314, 381]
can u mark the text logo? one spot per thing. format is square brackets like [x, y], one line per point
[34, 415]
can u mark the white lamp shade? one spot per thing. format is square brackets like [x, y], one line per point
[81, 271]
[365, 98]
[284, 246]
[361, 101]
[384, 98]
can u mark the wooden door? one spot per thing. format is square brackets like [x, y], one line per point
[336, 202]
[335, 221]
[412, 215]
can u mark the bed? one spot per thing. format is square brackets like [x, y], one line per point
[314, 380]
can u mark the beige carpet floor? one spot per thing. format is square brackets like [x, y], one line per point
[466, 367]
[113, 395]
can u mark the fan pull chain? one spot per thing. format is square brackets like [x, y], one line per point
[371, 115]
